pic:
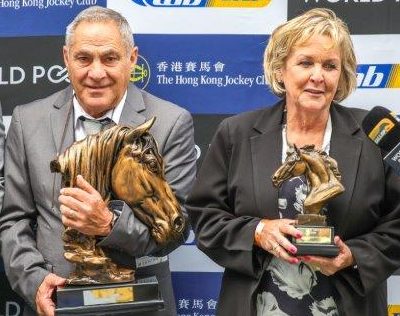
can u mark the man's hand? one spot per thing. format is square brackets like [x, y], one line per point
[83, 209]
[44, 304]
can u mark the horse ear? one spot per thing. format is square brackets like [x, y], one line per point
[140, 130]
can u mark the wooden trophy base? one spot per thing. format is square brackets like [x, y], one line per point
[131, 298]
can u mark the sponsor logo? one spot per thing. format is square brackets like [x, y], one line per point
[378, 76]
[204, 3]
[44, 4]
[394, 310]
[15, 75]
[141, 73]
[395, 156]
[380, 130]
[12, 308]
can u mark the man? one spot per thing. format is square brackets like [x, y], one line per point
[99, 54]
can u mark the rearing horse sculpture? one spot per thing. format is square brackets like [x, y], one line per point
[121, 163]
[322, 173]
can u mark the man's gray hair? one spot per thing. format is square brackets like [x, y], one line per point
[101, 14]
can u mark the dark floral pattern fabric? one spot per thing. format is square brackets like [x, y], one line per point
[294, 289]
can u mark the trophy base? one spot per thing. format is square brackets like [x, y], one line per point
[317, 250]
[109, 299]
[316, 241]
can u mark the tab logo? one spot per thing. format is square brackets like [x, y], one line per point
[380, 130]
[378, 76]
[204, 3]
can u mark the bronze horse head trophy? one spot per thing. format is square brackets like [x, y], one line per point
[120, 163]
[323, 178]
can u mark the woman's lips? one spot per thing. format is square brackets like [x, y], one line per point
[314, 91]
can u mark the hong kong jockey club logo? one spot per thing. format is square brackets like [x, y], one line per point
[140, 74]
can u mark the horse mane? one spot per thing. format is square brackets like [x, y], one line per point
[93, 157]
[125, 159]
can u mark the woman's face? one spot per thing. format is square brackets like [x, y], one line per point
[311, 74]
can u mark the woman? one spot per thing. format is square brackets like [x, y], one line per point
[243, 222]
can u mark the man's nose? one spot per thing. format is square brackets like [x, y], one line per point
[97, 71]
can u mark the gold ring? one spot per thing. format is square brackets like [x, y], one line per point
[275, 247]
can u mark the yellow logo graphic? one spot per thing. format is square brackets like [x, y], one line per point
[140, 74]
[394, 77]
[238, 3]
[380, 130]
[393, 310]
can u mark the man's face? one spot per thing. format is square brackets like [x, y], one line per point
[99, 66]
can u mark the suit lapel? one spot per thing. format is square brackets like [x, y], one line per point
[132, 113]
[62, 122]
[346, 150]
[266, 150]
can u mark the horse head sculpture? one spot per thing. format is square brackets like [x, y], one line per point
[321, 171]
[120, 163]
[292, 167]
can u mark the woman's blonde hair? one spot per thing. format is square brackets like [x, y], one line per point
[300, 29]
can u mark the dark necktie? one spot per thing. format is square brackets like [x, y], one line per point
[93, 126]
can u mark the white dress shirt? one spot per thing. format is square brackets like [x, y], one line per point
[114, 114]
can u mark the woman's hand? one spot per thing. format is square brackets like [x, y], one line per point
[329, 266]
[271, 235]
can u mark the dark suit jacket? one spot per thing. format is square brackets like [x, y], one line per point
[234, 191]
[32, 142]
[2, 141]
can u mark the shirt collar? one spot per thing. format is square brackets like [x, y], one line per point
[114, 114]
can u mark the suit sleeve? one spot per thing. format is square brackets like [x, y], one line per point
[377, 253]
[129, 234]
[2, 139]
[23, 263]
[224, 237]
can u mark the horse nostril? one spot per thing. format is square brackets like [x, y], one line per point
[178, 223]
